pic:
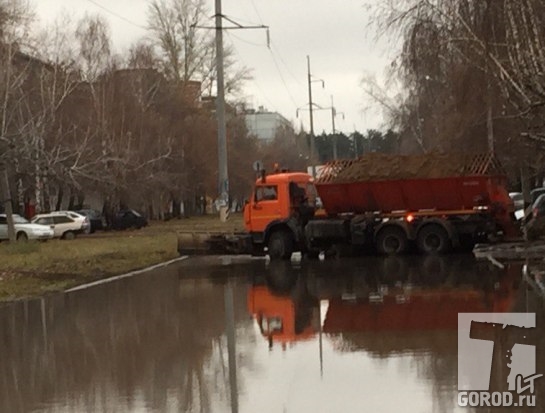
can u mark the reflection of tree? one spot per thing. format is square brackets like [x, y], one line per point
[151, 342]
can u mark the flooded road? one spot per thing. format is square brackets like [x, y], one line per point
[359, 335]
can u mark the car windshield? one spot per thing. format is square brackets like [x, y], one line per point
[19, 220]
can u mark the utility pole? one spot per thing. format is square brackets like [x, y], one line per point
[312, 150]
[6, 199]
[223, 174]
[333, 115]
[310, 105]
[355, 145]
[231, 344]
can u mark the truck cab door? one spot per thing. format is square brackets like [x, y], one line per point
[264, 208]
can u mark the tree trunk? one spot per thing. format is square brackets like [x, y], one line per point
[60, 195]
[525, 184]
[71, 201]
[81, 200]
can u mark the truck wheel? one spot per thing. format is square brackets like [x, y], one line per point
[433, 239]
[280, 245]
[391, 240]
[280, 277]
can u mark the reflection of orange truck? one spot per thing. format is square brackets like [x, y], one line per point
[434, 213]
[292, 317]
[278, 317]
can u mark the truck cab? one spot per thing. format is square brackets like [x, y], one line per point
[278, 209]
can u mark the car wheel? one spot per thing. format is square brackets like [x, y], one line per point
[69, 235]
[22, 236]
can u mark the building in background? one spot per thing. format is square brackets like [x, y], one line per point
[264, 124]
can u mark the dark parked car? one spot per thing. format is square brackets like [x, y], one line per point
[535, 193]
[535, 226]
[129, 218]
[94, 217]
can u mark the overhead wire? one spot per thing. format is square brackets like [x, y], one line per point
[244, 40]
[276, 66]
[272, 105]
[119, 16]
[275, 48]
[284, 82]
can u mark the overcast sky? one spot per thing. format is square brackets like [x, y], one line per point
[335, 35]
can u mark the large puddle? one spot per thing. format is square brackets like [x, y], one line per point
[360, 335]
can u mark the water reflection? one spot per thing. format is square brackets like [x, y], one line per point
[145, 344]
[393, 308]
[158, 342]
[387, 295]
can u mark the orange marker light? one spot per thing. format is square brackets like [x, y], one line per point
[409, 218]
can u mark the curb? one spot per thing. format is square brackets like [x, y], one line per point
[127, 275]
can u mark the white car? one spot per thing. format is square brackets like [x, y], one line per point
[65, 224]
[24, 230]
[518, 202]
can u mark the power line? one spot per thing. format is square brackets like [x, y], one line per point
[113, 13]
[245, 41]
[279, 74]
[285, 64]
[275, 48]
[257, 11]
[272, 105]
[283, 81]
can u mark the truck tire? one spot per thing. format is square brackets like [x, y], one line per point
[433, 239]
[391, 240]
[280, 245]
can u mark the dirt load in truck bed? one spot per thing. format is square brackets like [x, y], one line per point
[377, 166]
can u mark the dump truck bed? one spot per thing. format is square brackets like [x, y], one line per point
[443, 194]
[418, 183]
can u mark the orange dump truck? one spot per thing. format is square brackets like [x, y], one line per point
[392, 203]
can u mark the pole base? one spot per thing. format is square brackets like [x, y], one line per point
[224, 213]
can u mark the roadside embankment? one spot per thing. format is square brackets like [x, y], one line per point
[36, 268]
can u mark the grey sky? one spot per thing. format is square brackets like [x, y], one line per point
[334, 34]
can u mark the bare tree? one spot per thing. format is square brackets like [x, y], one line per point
[173, 27]
[93, 35]
[472, 73]
[187, 50]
